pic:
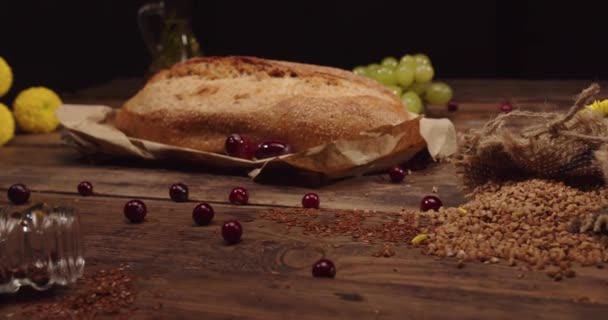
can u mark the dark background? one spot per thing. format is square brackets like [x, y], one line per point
[69, 45]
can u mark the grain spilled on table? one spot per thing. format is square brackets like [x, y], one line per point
[530, 225]
[103, 293]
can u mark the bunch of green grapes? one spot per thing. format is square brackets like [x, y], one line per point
[410, 78]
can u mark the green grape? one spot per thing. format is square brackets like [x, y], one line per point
[419, 87]
[372, 68]
[360, 70]
[408, 60]
[396, 90]
[412, 102]
[424, 73]
[404, 74]
[386, 76]
[422, 58]
[390, 62]
[439, 94]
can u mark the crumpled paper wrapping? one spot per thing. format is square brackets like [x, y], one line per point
[89, 129]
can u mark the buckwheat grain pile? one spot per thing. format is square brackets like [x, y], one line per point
[535, 224]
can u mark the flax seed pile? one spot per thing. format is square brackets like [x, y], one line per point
[106, 292]
[361, 225]
[534, 224]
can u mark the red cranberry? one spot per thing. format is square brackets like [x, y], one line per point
[430, 203]
[310, 200]
[179, 192]
[232, 231]
[18, 193]
[135, 211]
[240, 147]
[272, 148]
[506, 107]
[85, 188]
[397, 174]
[324, 268]
[202, 214]
[452, 106]
[239, 196]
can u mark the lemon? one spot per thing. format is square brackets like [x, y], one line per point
[6, 77]
[34, 110]
[7, 125]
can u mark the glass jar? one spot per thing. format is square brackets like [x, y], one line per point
[167, 31]
[39, 247]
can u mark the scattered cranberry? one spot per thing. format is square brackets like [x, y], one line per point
[85, 188]
[310, 200]
[272, 148]
[239, 146]
[18, 193]
[324, 268]
[452, 106]
[179, 192]
[202, 214]
[239, 196]
[430, 203]
[135, 211]
[232, 231]
[397, 174]
[506, 107]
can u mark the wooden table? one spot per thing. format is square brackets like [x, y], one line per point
[268, 275]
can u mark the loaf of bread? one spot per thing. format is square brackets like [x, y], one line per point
[198, 103]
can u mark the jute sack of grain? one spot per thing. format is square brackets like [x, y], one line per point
[571, 147]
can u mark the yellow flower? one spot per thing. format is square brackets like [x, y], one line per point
[6, 77]
[599, 106]
[7, 125]
[35, 108]
[419, 238]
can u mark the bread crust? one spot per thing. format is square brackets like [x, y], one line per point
[196, 104]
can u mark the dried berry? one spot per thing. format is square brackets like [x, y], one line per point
[232, 231]
[430, 203]
[311, 200]
[272, 148]
[135, 211]
[452, 106]
[324, 268]
[202, 214]
[397, 174]
[18, 193]
[85, 189]
[239, 196]
[506, 107]
[179, 192]
[239, 146]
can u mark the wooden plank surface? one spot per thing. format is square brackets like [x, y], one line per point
[186, 272]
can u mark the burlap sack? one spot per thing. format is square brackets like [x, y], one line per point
[571, 147]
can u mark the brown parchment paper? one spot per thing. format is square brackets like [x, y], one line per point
[89, 129]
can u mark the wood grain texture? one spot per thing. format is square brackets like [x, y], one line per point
[193, 273]
[187, 272]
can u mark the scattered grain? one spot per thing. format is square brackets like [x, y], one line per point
[104, 293]
[365, 226]
[386, 252]
[526, 222]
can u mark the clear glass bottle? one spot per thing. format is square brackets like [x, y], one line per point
[39, 247]
[167, 32]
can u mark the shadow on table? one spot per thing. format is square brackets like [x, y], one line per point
[30, 295]
[280, 176]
